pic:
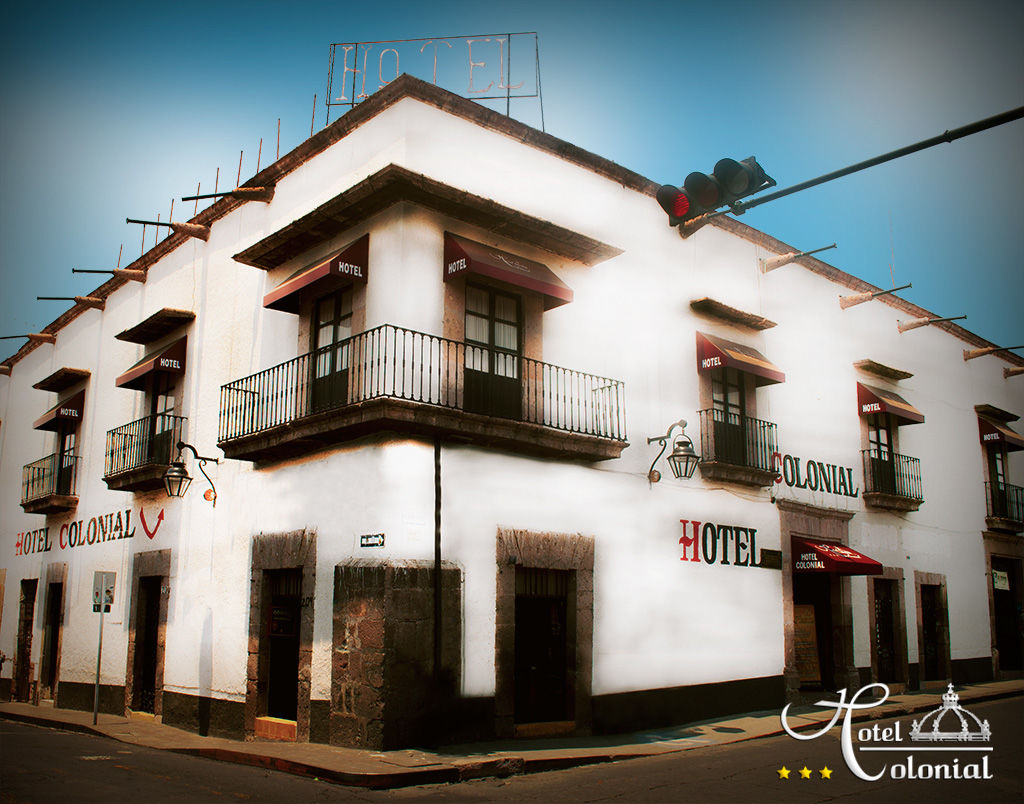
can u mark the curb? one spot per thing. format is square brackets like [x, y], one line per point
[62, 725]
[367, 780]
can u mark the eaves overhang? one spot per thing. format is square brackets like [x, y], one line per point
[394, 184]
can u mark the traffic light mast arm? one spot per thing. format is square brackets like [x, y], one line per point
[739, 207]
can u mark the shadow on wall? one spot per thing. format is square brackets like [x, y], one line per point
[205, 673]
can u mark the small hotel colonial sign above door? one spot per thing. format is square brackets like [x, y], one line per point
[481, 67]
[814, 475]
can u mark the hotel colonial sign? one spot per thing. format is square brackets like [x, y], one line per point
[814, 475]
[100, 529]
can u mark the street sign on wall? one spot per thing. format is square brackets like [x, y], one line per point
[103, 590]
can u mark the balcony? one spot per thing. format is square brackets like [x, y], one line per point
[49, 485]
[139, 453]
[736, 449]
[394, 379]
[1004, 507]
[891, 481]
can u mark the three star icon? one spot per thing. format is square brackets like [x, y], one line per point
[805, 772]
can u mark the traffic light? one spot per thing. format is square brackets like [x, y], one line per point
[701, 193]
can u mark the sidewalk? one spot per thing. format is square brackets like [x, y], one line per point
[385, 769]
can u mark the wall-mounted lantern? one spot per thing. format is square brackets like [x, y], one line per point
[177, 478]
[683, 460]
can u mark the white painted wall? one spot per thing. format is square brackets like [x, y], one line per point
[659, 622]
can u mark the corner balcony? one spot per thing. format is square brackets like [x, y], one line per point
[891, 481]
[1004, 507]
[49, 485]
[138, 453]
[397, 380]
[736, 449]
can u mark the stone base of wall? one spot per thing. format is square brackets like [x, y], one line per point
[672, 706]
[76, 695]
[319, 721]
[385, 693]
[972, 671]
[207, 716]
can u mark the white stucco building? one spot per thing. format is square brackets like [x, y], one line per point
[411, 352]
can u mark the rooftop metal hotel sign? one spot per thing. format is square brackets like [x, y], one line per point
[481, 67]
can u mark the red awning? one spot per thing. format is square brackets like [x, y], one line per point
[714, 352]
[875, 400]
[346, 266]
[992, 430]
[462, 256]
[170, 360]
[815, 556]
[70, 410]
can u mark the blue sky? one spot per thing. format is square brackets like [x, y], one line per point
[110, 110]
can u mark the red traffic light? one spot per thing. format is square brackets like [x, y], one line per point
[674, 201]
[702, 193]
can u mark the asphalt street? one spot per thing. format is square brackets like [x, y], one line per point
[45, 765]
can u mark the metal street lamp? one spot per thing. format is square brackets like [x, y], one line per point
[683, 460]
[177, 478]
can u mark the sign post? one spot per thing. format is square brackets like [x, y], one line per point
[102, 598]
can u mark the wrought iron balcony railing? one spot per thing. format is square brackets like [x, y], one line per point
[736, 440]
[397, 363]
[53, 475]
[1005, 501]
[890, 473]
[148, 441]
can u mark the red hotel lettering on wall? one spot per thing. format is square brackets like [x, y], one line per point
[690, 541]
[715, 539]
[160, 518]
[33, 541]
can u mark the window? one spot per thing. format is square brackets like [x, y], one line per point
[735, 446]
[162, 420]
[1005, 501]
[493, 350]
[999, 498]
[728, 405]
[332, 329]
[891, 480]
[881, 452]
[67, 437]
[880, 435]
[55, 474]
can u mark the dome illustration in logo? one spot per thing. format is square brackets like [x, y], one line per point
[950, 709]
